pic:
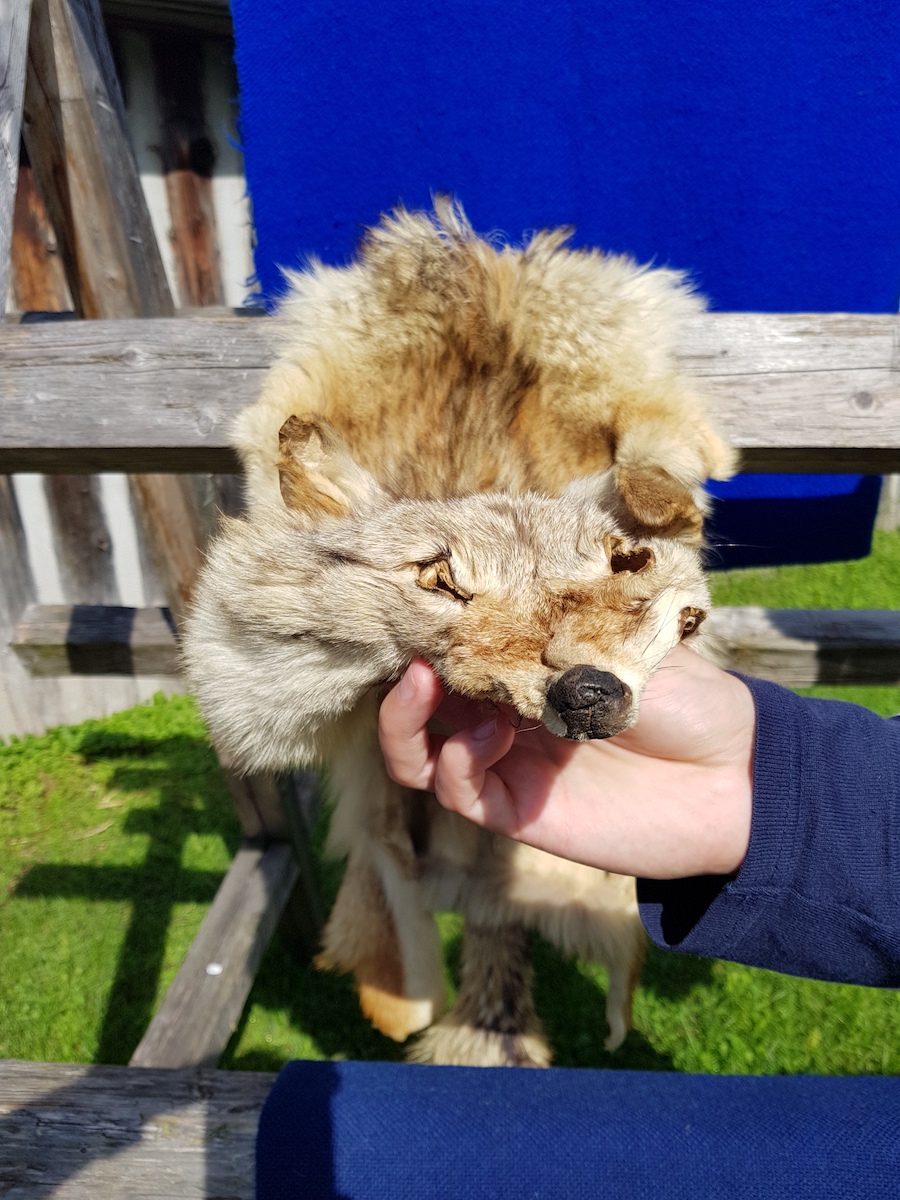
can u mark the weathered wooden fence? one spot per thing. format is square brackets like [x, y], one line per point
[84, 534]
[815, 392]
[809, 392]
[136, 391]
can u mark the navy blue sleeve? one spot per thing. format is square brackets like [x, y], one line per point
[818, 894]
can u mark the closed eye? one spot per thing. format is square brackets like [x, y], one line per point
[437, 576]
[691, 620]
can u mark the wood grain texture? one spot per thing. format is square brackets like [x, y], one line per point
[82, 639]
[17, 709]
[257, 803]
[792, 389]
[37, 280]
[202, 1007]
[169, 520]
[78, 145]
[15, 16]
[188, 158]
[78, 1132]
[818, 392]
[805, 647]
[82, 539]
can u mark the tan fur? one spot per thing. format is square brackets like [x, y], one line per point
[485, 456]
[493, 1022]
[363, 926]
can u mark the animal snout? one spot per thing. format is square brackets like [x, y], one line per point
[590, 703]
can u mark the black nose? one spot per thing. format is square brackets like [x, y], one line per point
[591, 703]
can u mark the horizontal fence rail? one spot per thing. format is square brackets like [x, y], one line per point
[80, 1131]
[798, 392]
[54, 640]
[794, 647]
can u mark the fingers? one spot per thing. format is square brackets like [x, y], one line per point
[464, 781]
[408, 751]
[456, 769]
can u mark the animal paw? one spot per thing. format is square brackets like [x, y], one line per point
[395, 1016]
[460, 1045]
[617, 1031]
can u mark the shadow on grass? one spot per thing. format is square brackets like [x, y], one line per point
[323, 1007]
[183, 774]
[572, 1007]
[674, 976]
[192, 799]
[320, 1005]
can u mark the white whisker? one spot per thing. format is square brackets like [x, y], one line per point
[527, 728]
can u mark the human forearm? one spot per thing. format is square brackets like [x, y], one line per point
[818, 893]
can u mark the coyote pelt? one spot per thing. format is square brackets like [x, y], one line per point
[485, 456]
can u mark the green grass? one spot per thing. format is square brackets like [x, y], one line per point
[117, 833]
[872, 582]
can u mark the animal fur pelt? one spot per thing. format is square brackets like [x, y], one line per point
[485, 456]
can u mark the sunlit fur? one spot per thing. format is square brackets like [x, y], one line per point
[487, 457]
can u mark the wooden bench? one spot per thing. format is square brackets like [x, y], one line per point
[87, 1132]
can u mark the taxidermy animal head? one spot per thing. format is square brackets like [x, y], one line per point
[543, 604]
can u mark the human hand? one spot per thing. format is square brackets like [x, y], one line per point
[669, 798]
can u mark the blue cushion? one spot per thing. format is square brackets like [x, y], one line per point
[766, 520]
[754, 145]
[386, 1131]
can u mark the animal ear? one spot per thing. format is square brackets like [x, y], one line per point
[316, 471]
[657, 503]
[624, 559]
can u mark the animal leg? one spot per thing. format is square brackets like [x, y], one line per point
[381, 928]
[623, 979]
[398, 972]
[493, 1023]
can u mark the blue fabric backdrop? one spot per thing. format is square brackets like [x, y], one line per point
[755, 145]
[384, 1131]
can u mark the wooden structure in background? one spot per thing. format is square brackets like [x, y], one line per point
[78, 149]
[84, 537]
[136, 390]
[187, 160]
[14, 23]
[804, 392]
[71, 100]
[38, 278]
[75, 132]
[112, 1133]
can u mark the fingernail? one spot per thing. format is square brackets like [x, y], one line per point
[484, 731]
[407, 687]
